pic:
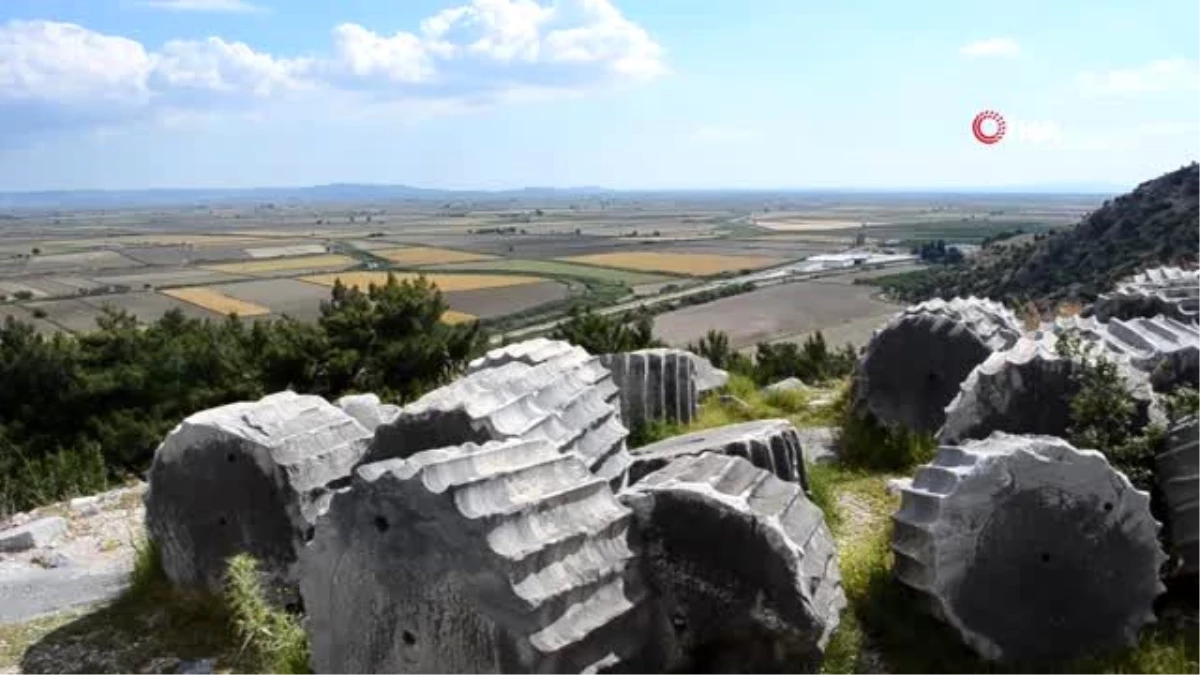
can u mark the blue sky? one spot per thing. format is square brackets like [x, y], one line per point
[619, 93]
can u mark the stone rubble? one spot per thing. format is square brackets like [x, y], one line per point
[912, 367]
[368, 410]
[541, 389]
[248, 477]
[1031, 550]
[34, 534]
[655, 384]
[1172, 291]
[772, 445]
[504, 557]
[1177, 470]
[744, 570]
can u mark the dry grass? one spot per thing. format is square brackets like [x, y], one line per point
[215, 301]
[186, 239]
[691, 264]
[307, 262]
[448, 283]
[455, 317]
[425, 255]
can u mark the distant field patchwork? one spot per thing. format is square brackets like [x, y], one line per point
[446, 282]
[691, 264]
[556, 268]
[216, 301]
[425, 255]
[453, 317]
[308, 262]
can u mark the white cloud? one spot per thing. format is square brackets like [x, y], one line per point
[1161, 75]
[711, 133]
[999, 47]
[482, 52]
[238, 6]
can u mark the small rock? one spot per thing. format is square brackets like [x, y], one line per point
[32, 535]
[196, 666]
[819, 444]
[51, 561]
[85, 506]
[161, 664]
[896, 485]
[730, 399]
[790, 384]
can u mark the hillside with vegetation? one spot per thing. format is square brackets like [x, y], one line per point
[1156, 224]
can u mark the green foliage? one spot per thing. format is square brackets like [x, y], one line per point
[78, 412]
[1104, 415]
[652, 431]
[812, 361]
[273, 641]
[1182, 402]
[867, 443]
[607, 334]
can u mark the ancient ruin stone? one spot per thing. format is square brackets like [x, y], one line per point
[1032, 550]
[1168, 351]
[1028, 387]
[33, 534]
[506, 557]
[1178, 472]
[248, 477]
[545, 390]
[655, 384]
[1169, 291]
[744, 570]
[768, 444]
[913, 366]
[708, 376]
[368, 410]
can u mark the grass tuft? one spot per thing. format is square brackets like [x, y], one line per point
[272, 639]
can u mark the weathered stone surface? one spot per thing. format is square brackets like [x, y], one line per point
[368, 410]
[1177, 469]
[913, 366]
[545, 390]
[788, 384]
[505, 557]
[708, 376]
[1169, 291]
[34, 534]
[1032, 550]
[768, 444]
[248, 477]
[1166, 350]
[655, 384]
[1028, 388]
[744, 570]
[820, 444]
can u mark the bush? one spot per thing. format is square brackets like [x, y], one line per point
[866, 443]
[273, 639]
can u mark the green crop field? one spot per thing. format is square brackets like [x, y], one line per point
[555, 268]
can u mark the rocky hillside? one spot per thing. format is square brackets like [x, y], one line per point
[1156, 224]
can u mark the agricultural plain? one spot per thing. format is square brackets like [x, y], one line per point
[521, 259]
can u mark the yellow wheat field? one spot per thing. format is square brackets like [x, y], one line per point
[692, 264]
[454, 317]
[216, 301]
[306, 262]
[425, 255]
[448, 283]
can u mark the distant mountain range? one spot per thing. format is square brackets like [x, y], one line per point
[368, 193]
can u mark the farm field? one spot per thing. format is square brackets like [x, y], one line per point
[691, 264]
[557, 268]
[448, 283]
[786, 311]
[493, 255]
[425, 255]
[302, 263]
[215, 301]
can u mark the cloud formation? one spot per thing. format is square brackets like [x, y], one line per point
[992, 47]
[1161, 75]
[487, 50]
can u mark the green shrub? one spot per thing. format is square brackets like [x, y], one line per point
[866, 443]
[647, 432]
[29, 481]
[789, 401]
[273, 640]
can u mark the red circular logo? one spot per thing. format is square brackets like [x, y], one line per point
[984, 136]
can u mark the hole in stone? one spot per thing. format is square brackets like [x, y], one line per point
[1108, 507]
[222, 521]
[409, 638]
[309, 532]
[230, 457]
[1045, 557]
[381, 524]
